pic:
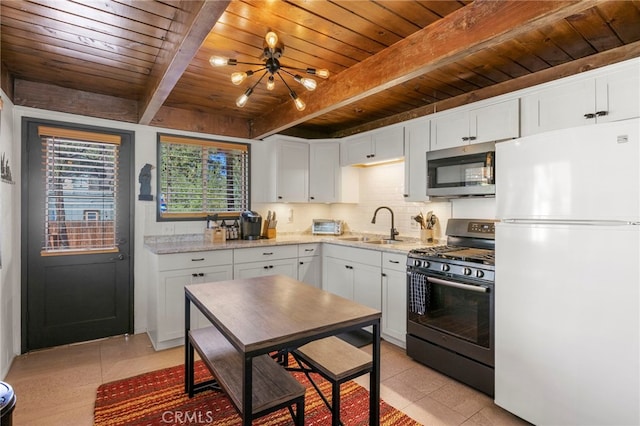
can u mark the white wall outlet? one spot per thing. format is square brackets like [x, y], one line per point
[290, 217]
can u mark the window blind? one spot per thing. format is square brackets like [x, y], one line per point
[200, 177]
[80, 190]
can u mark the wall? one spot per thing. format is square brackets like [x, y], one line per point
[9, 242]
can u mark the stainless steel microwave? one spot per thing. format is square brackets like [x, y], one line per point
[463, 171]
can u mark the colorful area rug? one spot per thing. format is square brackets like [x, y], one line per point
[158, 398]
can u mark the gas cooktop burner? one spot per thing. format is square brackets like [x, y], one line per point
[466, 254]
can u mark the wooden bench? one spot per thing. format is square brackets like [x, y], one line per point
[335, 360]
[273, 387]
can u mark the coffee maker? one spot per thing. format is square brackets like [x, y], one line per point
[250, 225]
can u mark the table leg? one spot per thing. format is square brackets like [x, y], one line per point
[374, 384]
[247, 391]
[189, 356]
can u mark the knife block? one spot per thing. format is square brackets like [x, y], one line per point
[271, 233]
[426, 235]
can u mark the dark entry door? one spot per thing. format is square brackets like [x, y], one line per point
[76, 270]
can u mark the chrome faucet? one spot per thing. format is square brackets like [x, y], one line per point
[394, 232]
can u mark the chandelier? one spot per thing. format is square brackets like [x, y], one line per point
[272, 51]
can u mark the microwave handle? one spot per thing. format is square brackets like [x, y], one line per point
[476, 288]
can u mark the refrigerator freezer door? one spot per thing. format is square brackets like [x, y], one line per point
[568, 323]
[586, 173]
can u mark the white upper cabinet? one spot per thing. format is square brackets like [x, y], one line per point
[292, 165]
[416, 145]
[379, 145]
[464, 126]
[288, 170]
[610, 95]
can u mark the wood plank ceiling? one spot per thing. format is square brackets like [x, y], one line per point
[147, 61]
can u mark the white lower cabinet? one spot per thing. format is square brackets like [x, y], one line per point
[171, 272]
[310, 264]
[353, 273]
[394, 298]
[261, 261]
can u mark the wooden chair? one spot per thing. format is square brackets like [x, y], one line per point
[335, 360]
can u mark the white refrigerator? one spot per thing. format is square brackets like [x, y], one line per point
[567, 290]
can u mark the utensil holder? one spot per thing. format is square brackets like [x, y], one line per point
[215, 235]
[426, 235]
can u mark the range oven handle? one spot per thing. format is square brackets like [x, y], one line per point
[476, 288]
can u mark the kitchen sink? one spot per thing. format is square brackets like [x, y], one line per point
[383, 241]
[361, 239]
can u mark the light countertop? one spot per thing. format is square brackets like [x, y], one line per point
[186, 243]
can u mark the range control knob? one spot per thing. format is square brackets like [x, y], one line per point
[467, 271]
[416, 263]
[479, 274]
[445, 267]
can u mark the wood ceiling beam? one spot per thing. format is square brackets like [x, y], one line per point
[477, 26]
[185, 36]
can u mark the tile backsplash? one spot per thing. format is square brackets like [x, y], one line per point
[381, 185]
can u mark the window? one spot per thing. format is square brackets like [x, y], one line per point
[80, 190]
[200, 177]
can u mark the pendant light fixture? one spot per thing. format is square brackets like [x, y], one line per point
[272, 51]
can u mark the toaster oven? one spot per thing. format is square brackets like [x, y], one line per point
[326, 227]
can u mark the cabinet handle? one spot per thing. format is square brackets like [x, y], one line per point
[268, 267]
[383, 274]
[589, 116]
[348, 267]
[267, 254]
[394, 261]
[309, 249]
[302, 263]
[602, 113]
[194, 275]
[198, 260]
[201, 274]
[465, 138]
[279, 197]
[472, 138]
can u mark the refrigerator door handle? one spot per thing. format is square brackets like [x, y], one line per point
[571, 222]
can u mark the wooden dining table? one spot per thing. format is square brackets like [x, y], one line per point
[263, 315]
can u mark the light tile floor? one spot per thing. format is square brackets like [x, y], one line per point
[58, 386]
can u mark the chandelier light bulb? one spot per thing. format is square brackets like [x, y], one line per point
[238, 77]
[242, 100]
[309, 83]
[218, 61]
[272, 39]
[300, 105]
[322, 72]
[271, 83]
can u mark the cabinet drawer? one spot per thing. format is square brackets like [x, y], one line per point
[198, 259]
[394, 261]
[259, 254]
[351, 254]
[305, 250]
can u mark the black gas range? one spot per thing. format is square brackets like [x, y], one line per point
[450, 309]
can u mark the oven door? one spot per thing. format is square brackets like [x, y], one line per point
[455, 314]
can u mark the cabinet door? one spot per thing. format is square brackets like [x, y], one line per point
[286, 267]
[388, 143]
[337, 277]
[450, 130]
[324, 172]
[394, 304]
[416, 145]
[292, 172]
[613, 95]
[171, 297]
[559, 106]
[367, 285]
[495, 122]
[310, 270]
[357, 150]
